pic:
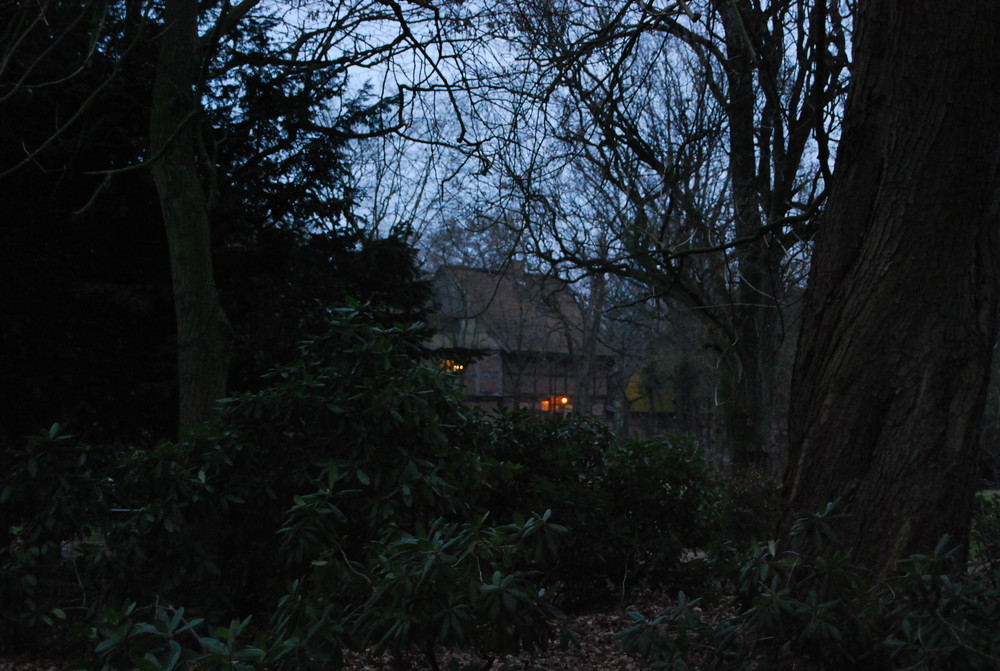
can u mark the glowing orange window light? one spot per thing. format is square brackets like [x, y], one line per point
[452, 366]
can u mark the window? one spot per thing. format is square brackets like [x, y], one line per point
[556, 404]
[452, 366]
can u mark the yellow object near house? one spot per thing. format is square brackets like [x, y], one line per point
[641, 399]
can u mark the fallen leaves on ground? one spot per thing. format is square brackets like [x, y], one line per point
[596, 648]
[29, 663]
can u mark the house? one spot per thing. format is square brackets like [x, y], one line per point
[520, 340]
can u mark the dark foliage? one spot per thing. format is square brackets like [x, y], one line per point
[86, 297]
[632, 507]
[354, 502]
[285, 283]
[749, 507]
[54, 511]
[818, 610]
[88, 335]
[336, 505]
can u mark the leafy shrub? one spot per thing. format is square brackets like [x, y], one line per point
[349, 440]
[54, 513]
[352, 501]
[631, 506]
[460, 586]
[306, 504]
[984, 540]
[817, 610]
[664, 496]
[749, 507]
[169, 640]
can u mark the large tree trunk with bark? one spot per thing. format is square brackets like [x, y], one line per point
[900, 317]
[203, 332]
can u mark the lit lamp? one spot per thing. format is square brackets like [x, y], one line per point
[452, 366]
[555, 404]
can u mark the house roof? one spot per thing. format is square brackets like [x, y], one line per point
[511, 311]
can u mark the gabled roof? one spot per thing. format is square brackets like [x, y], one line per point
[511, 311]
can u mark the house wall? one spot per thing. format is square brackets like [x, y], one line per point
[531, 382]
[524, 335]
[484, 377]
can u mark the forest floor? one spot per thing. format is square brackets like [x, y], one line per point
[596, 648]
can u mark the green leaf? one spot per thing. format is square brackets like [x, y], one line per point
[175, 655]
[213, 645]
[149, 663]
[107, 644]
[189, 625]
[250, 654]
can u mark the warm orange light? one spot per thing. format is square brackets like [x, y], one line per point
[555, 404]
[452, 366]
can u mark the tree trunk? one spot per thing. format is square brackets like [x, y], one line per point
[747, 367]
[590, 338]
[203, 332]
[900, 316]
[745, 392]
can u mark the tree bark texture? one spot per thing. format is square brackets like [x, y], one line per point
[900, 317]
[203, 332]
